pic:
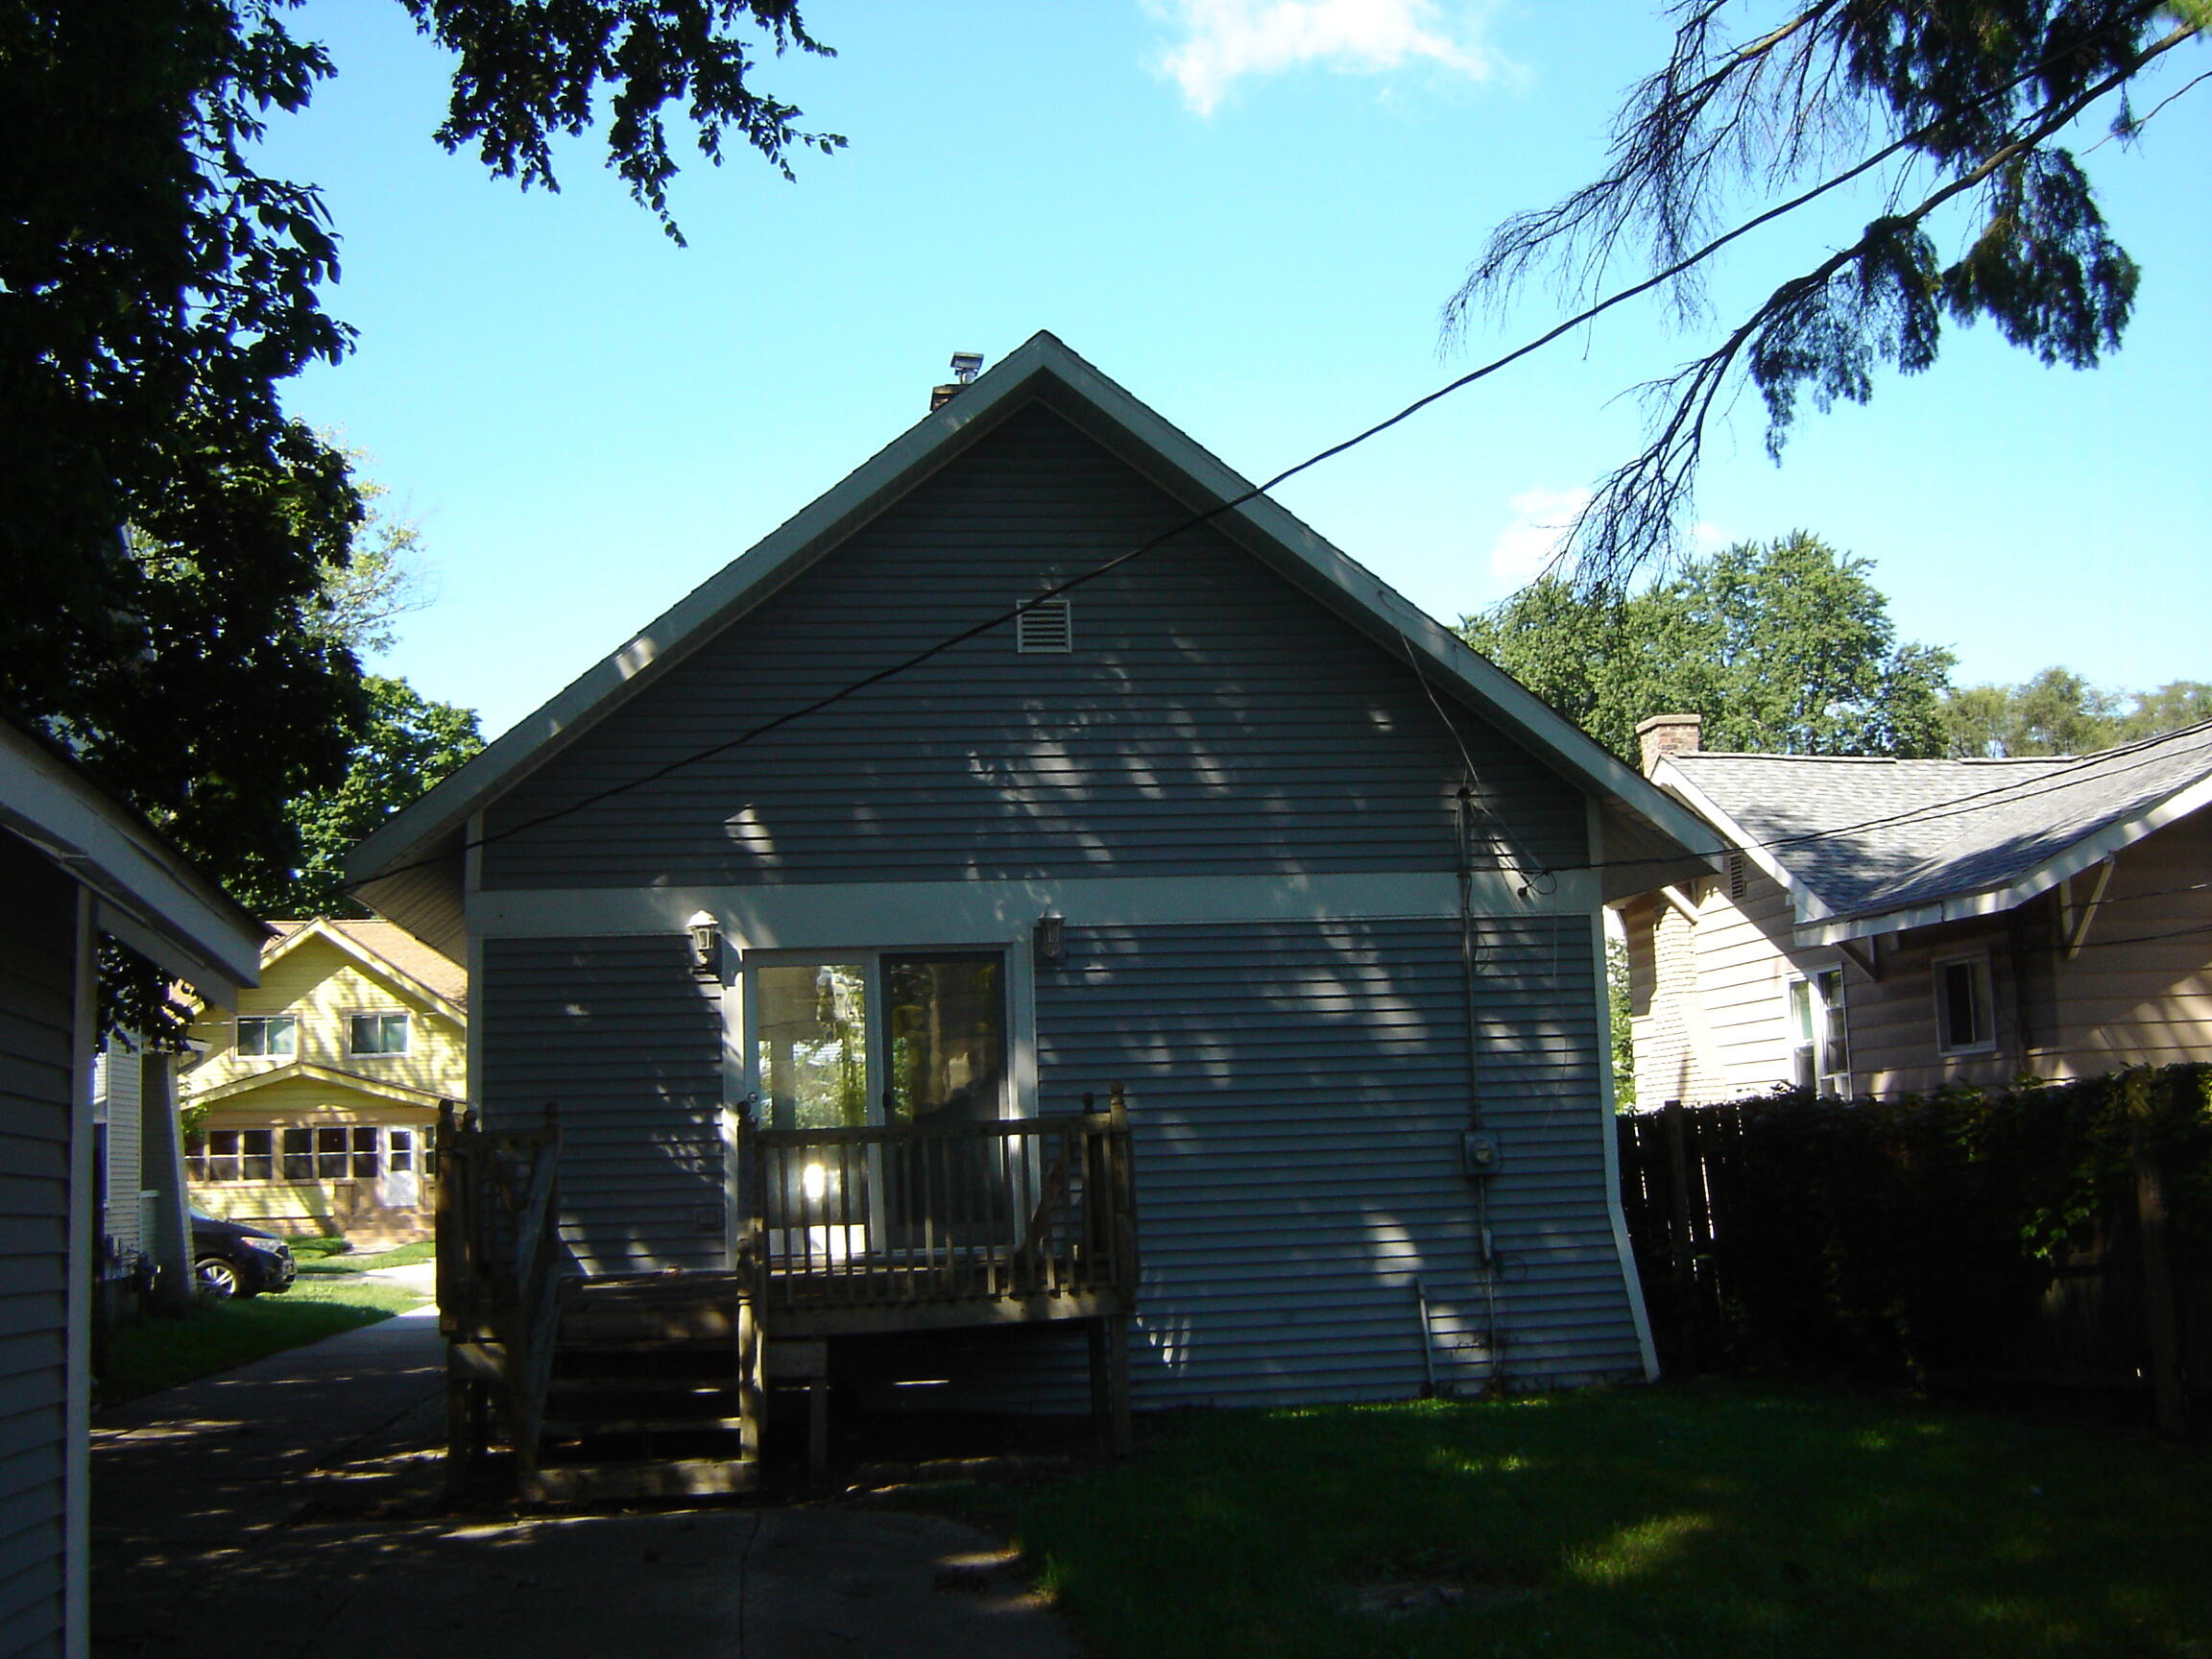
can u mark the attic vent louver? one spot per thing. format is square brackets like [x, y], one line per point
[1049, 625]
[1738, 876]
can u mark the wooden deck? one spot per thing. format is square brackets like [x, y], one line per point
[656, 1381]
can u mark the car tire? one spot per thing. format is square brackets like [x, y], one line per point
[218, 1281]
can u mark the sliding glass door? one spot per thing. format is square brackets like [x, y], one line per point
[860, 1037]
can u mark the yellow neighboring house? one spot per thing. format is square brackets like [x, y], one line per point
[314, 1106]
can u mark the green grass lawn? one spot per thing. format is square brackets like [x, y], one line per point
[325, 1256]
[1697, 1520]
[156, 1353]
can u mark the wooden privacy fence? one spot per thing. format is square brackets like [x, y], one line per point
[1899, 1241]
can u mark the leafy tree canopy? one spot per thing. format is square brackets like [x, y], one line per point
[2059, 712]
[1951, 110]
[1782, 647]
[408, 744]
[156, 291]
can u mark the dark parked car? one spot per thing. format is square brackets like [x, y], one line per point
[230, 1259]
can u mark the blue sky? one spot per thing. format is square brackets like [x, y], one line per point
[1249, 213]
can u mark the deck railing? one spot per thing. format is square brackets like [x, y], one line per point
[499, 1279]
[888, 1214]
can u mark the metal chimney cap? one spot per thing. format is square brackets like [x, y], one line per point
[966, 366]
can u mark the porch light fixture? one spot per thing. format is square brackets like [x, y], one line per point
[706, 946]
[1052, 941]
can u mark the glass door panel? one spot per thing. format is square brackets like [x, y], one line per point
[945, 1033]
[810, 1042]
[945, 1022]
[811, 1053]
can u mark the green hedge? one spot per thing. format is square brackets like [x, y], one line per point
[1896, 1238]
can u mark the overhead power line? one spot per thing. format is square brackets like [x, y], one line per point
[1198, 520]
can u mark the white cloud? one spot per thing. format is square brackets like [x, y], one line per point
[1222, 41]
[1525, 548]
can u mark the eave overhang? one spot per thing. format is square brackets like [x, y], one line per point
[1993, 900]
[147, 894]
[308, 1072]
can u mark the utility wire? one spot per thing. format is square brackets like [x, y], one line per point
[1207, 516]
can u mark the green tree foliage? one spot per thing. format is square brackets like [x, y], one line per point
[156, 291]
[1785, 647]
[1622, 1024]
[2059, 712]
[408, 744]
[1949, 111]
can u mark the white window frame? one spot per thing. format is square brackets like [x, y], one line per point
[1985, 992]
[265, 1021]
[1824, 1012]
[406, 1033]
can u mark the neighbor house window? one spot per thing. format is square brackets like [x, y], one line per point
[345, 1153]
[260, 1034]
[376, 1034]
[1821, 1058]
[1965, 1015]
[234, 1155]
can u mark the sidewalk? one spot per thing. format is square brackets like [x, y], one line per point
[289, 1507]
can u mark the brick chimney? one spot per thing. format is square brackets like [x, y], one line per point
[1664, 735]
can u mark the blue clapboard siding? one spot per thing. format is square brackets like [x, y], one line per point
[1211, 718]
[38, 933]
[1298, 1093]
[619, 1035]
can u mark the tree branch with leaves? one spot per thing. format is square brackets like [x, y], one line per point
[1975, 95]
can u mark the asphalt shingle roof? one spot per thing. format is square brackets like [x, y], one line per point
[433, 969]
[1875, 834]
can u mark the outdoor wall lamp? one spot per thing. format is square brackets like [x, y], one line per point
[706, 946]
[1051, 940]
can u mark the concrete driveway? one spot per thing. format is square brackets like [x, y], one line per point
[289, 1509]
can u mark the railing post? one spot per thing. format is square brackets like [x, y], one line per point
[1123, 1194]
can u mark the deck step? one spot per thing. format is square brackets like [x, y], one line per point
[591, 1324]
[560, 1426]
[681, 1477]
[698, 1387]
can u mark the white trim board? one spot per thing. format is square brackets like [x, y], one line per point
[820, 915]
[147, 895]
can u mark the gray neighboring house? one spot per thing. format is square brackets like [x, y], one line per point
[1889, 926]
[75, 864]
[1233, 826]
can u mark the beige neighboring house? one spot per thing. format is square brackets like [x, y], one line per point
[315, 1104]
[1889, 926]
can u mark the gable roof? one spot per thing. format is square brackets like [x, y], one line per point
[329, 1076]
[1876, 846]
[148, 895]
[409, 867]
[387, 951]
